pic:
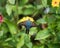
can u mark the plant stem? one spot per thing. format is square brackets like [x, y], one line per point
[16, 11]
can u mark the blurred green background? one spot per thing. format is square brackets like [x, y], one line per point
[45, 35]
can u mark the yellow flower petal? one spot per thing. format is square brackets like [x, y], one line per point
[55, 3]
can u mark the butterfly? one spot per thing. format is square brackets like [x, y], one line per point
[28, 22]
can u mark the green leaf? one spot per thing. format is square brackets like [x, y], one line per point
[1, 33]
[4, 28]
[33, 30]
[27, 38]
[56, 45]
[29, 45]
[12, 1]
[42, 21]
[27, 41]
[8, 39]
[58, 36]
[21, 41]
[12, 27]
[20, 10]
[42, 34]
[50, 19]
[44, 3]
[29, 6]
[39, 6]
[2, 2]
[8, 9]
[23, 2]
[38, 46]
[58, 26]
[28, 11]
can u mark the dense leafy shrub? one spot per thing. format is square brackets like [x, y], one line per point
[46, 15]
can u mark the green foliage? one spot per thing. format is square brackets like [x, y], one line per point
[9, 9]
[12, 27]
[23, 2]
[41, 36]
[21, 41]
[11, 1]
[44, 3]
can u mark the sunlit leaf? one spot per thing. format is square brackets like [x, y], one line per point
[8, 9]
[33, 30]
[41, 21]
[38, 46]
[44, 3]
[39, 6]
[20, 10]
[28, 11]
[23, 2]
[42, 34]
[12, 27]
[1, 33]
[12, 1]
[21, 42]
[27, 41]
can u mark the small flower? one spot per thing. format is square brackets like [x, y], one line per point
[55, 3]
[1, 18]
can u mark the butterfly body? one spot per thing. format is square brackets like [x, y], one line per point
[28, 24]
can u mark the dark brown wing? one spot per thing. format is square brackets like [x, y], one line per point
[34, 24]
